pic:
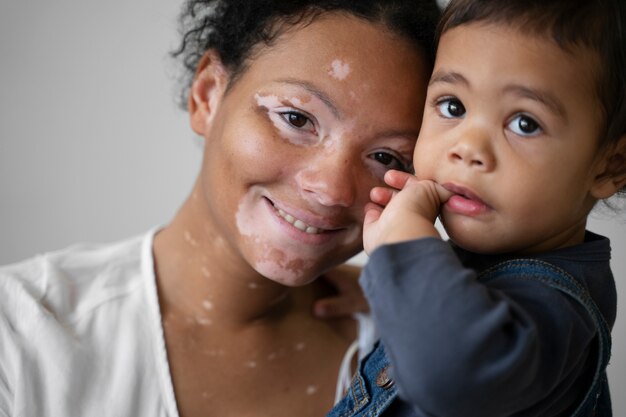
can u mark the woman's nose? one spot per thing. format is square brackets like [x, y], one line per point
[474, 149]
[329, 179]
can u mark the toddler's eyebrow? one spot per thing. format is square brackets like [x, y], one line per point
[447, 77]
[543, 97]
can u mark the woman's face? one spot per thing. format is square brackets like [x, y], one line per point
[294, 146]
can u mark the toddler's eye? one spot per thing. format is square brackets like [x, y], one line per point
[524, 125]
[451, 108]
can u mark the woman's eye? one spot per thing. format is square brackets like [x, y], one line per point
[297, 120]
[451, 108]
[391, 161]
[524, 126]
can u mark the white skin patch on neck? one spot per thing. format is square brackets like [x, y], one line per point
[190, 238]
[339, 69]
[205, 272]
[311, 389]
[203, 321]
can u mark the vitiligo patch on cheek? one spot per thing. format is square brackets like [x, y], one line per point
[339, 69]
[270, 261]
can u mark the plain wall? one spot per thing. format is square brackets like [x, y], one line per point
[93, 147]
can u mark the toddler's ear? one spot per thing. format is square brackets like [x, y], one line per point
[612, 175]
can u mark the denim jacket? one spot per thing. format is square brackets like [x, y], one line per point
[373, 393]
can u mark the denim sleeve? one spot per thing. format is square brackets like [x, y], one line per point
[459, 347]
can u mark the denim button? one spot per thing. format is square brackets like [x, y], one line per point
[383, 380]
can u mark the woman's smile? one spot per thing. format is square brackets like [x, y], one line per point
[299, 225]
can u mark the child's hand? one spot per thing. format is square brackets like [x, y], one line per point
[404, 213]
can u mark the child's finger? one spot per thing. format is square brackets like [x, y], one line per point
[397, 179]
[372, 213]
[444, 194]
[381, 195]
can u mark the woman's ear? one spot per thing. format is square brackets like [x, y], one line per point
[612, 175]
[206, 91]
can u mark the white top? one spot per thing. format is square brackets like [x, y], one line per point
[81, 335]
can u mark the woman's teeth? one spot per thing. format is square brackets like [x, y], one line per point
[299, 224]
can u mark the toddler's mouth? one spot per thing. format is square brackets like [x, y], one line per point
[464, 193]
[464, 201]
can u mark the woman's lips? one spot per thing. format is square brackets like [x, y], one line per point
[297, 223]
[304, 222]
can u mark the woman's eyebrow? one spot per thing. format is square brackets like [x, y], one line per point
[315, 91]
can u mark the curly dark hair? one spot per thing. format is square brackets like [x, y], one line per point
[233, 28]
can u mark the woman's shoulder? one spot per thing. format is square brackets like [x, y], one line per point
[89, 308]
[70, 281]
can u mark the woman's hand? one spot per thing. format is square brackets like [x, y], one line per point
[349, 298]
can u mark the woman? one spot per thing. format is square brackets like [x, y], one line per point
[303, 106]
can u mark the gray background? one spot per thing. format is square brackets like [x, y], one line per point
[92, 146]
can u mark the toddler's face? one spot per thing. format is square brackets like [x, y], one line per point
[512, 126]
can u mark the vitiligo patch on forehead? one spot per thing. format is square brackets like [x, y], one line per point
[271, 100]
[339, 69]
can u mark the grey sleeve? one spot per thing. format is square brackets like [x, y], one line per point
[462, 348]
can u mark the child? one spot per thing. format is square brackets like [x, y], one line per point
[524, 131]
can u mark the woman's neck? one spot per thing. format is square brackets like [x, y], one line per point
[202, 278]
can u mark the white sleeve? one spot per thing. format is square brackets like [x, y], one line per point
[5, 360]
[367, 335]
[363, 345]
